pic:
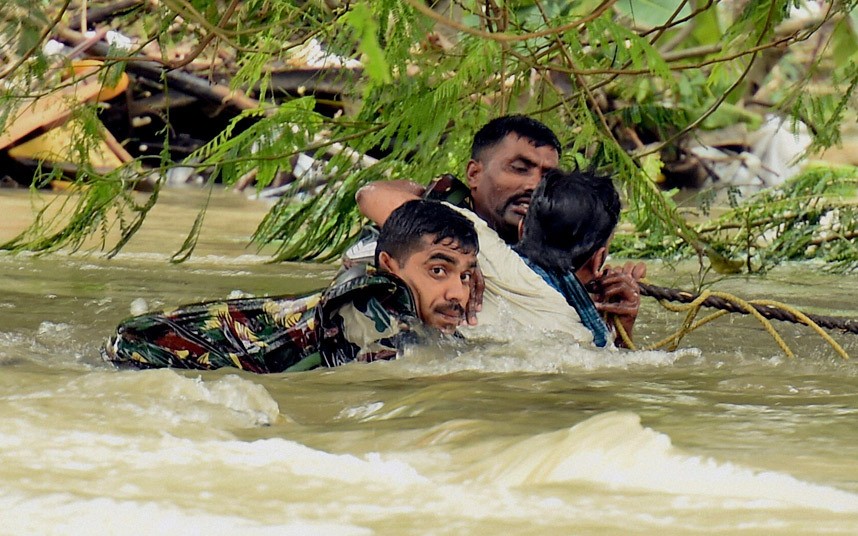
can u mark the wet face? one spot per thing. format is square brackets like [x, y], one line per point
[503, 179]
[439, 276]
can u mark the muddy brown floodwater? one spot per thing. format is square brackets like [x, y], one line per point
[724, 436]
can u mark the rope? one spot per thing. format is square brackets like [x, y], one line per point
[808, 322]
[762, 310]
[670, 338]
[774, 312]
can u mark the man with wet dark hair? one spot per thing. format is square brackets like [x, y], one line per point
[523, 126]
[437, 266]
[509, 157]
[571, 216]
[566, 231]
[426, 255]
[423, 219]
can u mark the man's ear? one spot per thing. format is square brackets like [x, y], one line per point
[591, 269]
[598, 259]
[387, 263]
[473, 172]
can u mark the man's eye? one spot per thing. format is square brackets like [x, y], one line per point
[466, 278]
[437, 271]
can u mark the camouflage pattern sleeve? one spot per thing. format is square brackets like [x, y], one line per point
[366, 316]
[254, 334]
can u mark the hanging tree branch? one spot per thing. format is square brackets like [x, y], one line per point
[505, 37]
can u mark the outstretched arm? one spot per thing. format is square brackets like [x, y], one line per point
[378, 199]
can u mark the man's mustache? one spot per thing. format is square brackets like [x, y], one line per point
[516, 199]
[451, 309]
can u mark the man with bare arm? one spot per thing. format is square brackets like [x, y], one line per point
[509, 156]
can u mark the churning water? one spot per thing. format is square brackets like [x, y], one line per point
[724, 436]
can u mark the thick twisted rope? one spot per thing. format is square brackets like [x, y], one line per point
[768, 310]
[761, 309]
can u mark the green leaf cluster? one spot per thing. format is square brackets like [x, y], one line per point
[624, 84]
[813, 216]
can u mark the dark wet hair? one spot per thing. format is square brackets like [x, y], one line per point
[527, 127]
[401, 234]
[571, 215]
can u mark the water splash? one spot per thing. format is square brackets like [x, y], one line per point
[553, 354]
[65, 513]
[614, 450]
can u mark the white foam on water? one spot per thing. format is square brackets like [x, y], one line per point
[552, 354]
[198, 264]
[362, 411]
[185, 398]
[138, 307]
[55, 329]
[67, 481]
[226, 463]
[10, 346]
[65, 514]
[150, 400]
[613, 449]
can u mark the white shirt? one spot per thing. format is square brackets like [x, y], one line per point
[517, 301]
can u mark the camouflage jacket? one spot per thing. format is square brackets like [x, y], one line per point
[363, 316]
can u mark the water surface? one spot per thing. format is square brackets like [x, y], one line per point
[724, 436]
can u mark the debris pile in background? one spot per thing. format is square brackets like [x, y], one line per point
[160, 107]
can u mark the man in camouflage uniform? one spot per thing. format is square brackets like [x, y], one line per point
[425, 258]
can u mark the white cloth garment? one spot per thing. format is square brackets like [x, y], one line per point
[517, 301]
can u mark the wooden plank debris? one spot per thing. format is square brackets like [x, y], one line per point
[51, 109]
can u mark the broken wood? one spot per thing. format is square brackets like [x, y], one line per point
[186, 83]
[160, 102]
[311, 81]
[114, 145]
[57, 145]
[99, 14]
[50, 109]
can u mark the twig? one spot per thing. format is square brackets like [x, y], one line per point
[506, 37]
[54, 23]
[581, 82]
[205, 41]
[663, 28]
[99, 14]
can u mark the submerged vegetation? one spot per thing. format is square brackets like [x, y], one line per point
[629, 86]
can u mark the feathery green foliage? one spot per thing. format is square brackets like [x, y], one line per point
[623, 83]
[815, 215]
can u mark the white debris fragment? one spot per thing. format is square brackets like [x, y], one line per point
[311, 54]
[773, 154]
